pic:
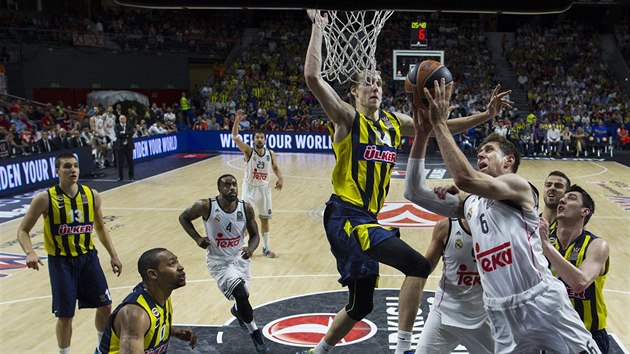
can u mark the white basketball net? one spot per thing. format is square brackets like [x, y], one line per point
[350, 39]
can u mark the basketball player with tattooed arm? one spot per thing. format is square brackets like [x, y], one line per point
[365, 140]
[527, 306]
[71, 212]
[259, 162]
[142, 323]
[225, 219]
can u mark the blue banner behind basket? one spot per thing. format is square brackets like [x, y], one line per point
[221, 140]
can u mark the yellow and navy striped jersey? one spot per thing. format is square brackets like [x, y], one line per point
[159, 332]
[589, 304]
[552, 225]
[69, 224]
[365, 160]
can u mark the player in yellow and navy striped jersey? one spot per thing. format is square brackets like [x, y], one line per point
[581, 260]
[555, 186]
[72, 212]
[365, 141]
[142, 323]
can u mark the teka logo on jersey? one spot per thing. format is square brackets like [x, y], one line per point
[497, 257]
[466, 278]
[306, 330]
[406, 214]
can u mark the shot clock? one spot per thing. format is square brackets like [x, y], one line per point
[418, 34]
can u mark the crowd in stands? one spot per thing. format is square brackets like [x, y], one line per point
[576, 108]
[569, 87]
[130, 29]
[30, 128]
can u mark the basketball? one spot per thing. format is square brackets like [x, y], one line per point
[423, 75]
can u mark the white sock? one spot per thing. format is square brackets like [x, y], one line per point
[323, 347]
[251, 326]
[266, 240]
[99, 337]
[64, 350]
[403, 342]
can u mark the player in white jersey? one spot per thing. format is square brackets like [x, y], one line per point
[528, 307]
[457, 315]
[259, 163]
[225, 220]
[110, 121]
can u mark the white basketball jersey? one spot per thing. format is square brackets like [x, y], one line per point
[225, 231]
[99, 126]
[459, 295]
[110, 121]
[507, 245]
[258, 168]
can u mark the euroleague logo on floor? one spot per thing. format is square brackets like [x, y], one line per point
[406, 215]
[308, 329]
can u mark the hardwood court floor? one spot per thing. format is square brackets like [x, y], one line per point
[143, 215]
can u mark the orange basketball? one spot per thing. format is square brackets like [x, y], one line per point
[423, 75]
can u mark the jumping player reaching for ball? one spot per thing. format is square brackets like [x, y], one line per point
[528, 307]
[360, 186]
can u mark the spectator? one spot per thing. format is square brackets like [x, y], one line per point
[62, 140]
[213, 125]
[45, 144]
[554, 140]
[157, 128]
[200, 124]
[622, 137]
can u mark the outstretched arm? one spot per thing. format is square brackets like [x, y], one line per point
[504, 187]
[246, 149]
[458, 125]
[340, 113]
[199, 209]
[416, 189]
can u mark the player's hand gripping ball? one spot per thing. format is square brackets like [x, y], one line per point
[424, 75]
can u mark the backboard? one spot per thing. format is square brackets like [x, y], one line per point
[405, 60]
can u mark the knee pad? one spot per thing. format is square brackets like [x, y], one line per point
[418, 266]
[244, 308]
[361, 307]
[240, 293]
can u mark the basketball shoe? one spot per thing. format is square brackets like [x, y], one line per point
[259, 342]
[268, 253]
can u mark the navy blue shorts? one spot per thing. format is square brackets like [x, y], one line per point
[351, 230]
[601, 338]
[77, 278]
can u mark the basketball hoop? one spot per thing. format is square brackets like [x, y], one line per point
[350, 38]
